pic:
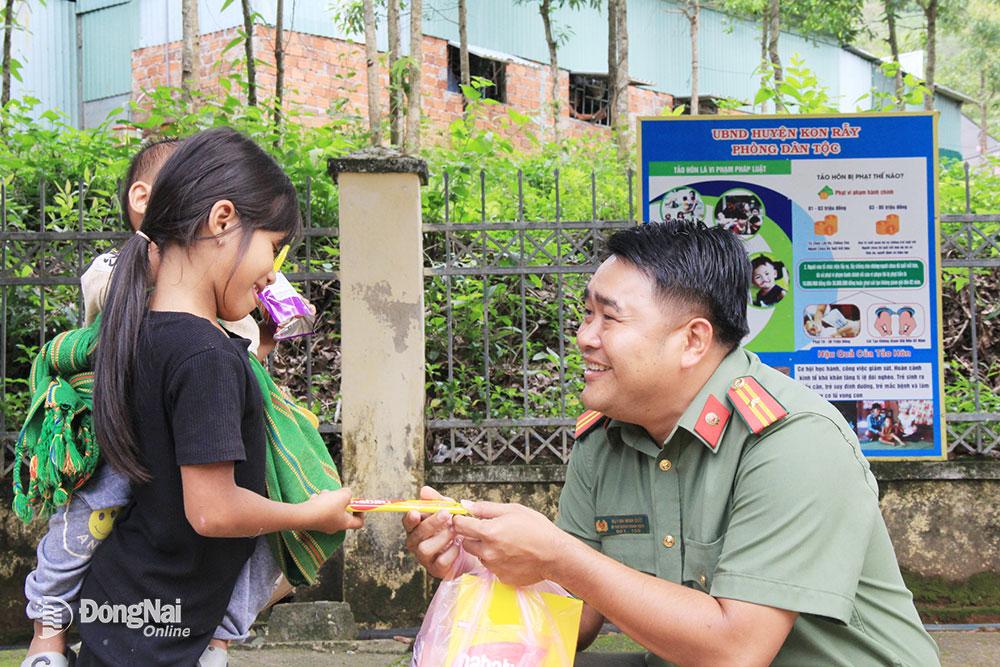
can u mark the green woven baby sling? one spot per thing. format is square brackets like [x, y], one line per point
[57, 446]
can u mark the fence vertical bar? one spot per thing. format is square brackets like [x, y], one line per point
[3, 330]
[524, 318]
[486, 310]
[79, 260]
[559, 300]
[42, 269]
[308, 291]
[973, 328]
[121, 213]
[968, 192]
[631, 196]
[449, 239]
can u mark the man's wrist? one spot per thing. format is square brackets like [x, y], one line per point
[564, 556]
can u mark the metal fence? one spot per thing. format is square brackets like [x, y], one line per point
[43, 251]
[501, 301]
[552, 257]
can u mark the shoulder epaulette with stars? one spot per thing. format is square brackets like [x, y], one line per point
[587, 422]
[754, 404]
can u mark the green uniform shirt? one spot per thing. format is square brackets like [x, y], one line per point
[787, 518]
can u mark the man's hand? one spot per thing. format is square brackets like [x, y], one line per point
[517, 544]
[431, 538]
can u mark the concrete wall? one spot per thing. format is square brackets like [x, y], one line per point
[942, 517]
[17, 559]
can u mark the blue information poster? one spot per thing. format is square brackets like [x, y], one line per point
[838, 215]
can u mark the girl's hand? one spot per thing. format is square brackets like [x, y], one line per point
[327, 512]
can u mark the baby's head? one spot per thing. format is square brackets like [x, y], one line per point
[139, 178]
[765, 272]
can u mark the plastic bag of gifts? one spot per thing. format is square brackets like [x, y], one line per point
[475, 620]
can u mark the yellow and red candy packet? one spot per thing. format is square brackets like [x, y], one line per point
[423, 506]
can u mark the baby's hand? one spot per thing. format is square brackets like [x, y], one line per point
[328, 511]
[266, 337]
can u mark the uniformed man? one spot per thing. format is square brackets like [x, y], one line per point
[715, 510]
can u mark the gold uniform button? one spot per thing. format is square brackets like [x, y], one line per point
[665, 465]
[668, 541]
[737, 383]
[712, 419]
[702, 580]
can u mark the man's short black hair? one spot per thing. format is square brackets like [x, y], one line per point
[704, 268]
[876, 406]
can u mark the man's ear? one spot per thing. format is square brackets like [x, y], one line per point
[138, 199]
[698, 338]
[222, 218]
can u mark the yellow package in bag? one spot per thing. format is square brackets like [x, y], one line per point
[497, 625]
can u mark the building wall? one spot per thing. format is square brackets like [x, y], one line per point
[46, 49]
[325, 75]
[659, 44]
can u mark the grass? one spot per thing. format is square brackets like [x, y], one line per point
[11, 658]
[975, 600]
[610, 643]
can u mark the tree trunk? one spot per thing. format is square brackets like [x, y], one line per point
[8, 36]
[622, 129]
[279, 62]
[890, 18]
[463, 53]
[931, 12]
[544, 8]
[190, 52]
[764, 38]
[774, 31]
[411, 145]
[248, 50]
[395, 76]
[612, 60]
[690, 9]
[371, 67]
[984, 105]
[463, 44]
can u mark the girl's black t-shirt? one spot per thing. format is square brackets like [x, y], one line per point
[196, 401]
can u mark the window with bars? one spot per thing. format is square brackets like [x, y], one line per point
[588, 98]
[479, 66]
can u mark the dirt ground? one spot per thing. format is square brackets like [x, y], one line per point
[958, 649]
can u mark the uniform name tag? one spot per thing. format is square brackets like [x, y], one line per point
[623, 524]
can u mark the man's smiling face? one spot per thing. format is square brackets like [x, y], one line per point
[629, 342]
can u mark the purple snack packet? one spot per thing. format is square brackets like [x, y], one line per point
[289, 312]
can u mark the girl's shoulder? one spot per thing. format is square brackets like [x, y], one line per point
[176, 337]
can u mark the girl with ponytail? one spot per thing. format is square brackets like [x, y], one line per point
[177, 409]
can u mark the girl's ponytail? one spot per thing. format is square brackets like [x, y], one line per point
[121, 321]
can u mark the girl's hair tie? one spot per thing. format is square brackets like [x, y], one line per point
[141, 233]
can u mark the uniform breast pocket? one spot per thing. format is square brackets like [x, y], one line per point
[700, 559]
[635, 551]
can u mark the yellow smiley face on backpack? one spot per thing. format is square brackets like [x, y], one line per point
[101, 521]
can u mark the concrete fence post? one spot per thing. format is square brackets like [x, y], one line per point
[382, 351]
